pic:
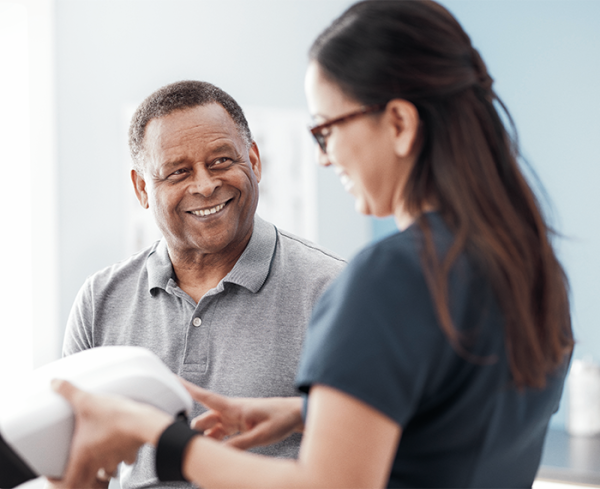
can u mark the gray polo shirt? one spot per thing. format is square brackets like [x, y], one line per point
[242, 339]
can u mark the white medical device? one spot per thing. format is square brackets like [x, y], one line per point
[36, 423]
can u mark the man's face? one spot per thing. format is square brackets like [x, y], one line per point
[200, 181]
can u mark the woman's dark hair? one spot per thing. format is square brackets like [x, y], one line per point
[380, 50]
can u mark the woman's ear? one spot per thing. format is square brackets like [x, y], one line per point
[404, 124]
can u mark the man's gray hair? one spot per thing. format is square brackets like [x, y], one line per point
[179, 96]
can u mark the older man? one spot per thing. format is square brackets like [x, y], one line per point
[224, 297]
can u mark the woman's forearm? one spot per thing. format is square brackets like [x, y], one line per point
[346, 444]
[211, 464]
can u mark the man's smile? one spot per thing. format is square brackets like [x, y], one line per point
[208, 211]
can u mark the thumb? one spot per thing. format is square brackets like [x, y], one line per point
[65, 389]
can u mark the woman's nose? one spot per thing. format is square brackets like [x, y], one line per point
[322, 158]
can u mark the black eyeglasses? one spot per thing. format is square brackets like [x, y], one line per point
[321, 134]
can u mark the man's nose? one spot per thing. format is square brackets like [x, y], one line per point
[204, 182]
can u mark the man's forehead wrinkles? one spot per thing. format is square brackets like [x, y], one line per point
[202, 131]
[199, 143]
[172, 152]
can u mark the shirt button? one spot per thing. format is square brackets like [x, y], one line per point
[197, 322]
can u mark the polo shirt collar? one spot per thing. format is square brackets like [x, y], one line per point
[159, 266]
[252, 268]
[250, 271]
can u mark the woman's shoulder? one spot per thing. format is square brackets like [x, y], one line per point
[402, 251]
[385, 274]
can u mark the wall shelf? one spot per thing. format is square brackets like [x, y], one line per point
[570, 458]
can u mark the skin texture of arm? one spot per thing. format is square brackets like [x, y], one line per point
[346, 443]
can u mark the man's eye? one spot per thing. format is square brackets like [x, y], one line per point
[177, 173]
[221, 161]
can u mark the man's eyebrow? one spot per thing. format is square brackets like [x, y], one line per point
[223, 147]
[173, 163]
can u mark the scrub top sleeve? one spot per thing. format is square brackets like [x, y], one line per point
[374, 334]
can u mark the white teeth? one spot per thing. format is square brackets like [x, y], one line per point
[206, 212]
[346, 182]
[344, 178]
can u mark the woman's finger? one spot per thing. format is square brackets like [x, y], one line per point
[256, 437]
[206, 421]
[209, 399]
[218, 433]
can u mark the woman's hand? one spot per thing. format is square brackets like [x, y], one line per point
[248, 422]
[108, 431]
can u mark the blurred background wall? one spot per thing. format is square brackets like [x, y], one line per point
[112, 54]
[108, 55]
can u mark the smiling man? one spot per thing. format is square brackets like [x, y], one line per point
[224, 297]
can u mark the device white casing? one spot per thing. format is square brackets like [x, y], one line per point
[38, 423]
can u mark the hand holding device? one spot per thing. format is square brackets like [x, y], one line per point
[37, 424]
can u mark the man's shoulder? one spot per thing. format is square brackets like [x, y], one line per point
[306, 252]
[123, 271]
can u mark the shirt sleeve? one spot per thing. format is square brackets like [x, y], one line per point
[78, 332]
[374, 334]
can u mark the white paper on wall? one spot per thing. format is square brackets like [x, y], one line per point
[141, 229]
[288, 187]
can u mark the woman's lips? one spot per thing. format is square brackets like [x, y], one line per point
[347, 182]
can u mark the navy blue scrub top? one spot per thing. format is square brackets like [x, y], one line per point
[374, 335]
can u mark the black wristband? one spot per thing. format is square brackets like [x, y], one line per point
[169, 451]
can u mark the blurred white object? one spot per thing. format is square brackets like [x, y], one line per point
[584, 399]
[544, 484]
[37, 423]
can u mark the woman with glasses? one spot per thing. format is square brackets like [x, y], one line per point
[438, 356]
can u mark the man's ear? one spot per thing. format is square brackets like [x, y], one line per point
[405, 124]
[139, 186]
[255, 160]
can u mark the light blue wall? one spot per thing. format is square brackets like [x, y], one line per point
[545, 58]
